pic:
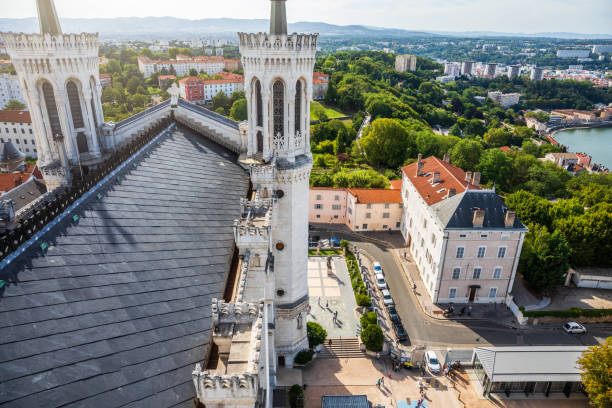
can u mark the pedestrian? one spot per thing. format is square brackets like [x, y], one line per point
[404, 254]
[378, 383]
[329, 342]
[336, 315]
[326, 303]
[378, 356]
[382, 380]
[309, 309]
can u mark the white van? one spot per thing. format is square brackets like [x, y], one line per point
[432, 362]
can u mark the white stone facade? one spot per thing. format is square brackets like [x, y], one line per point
[59, 76]
[21, 134]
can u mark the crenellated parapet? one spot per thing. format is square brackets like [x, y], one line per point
[305, 43]
[222, 391]
[36, 43]
[262, 174]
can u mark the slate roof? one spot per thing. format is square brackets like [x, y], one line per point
[25, 193]
[8, 152]
[530, 363]
[345, 401]
[117, 311]
[458, 211]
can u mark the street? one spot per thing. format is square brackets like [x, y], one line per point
[432, 332]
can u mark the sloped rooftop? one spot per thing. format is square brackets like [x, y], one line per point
[117, 312]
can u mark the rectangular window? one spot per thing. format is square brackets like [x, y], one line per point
[398, 224]
[368, 215]
[368, 206]
[492, 292]
[386, 215]
[497, 273]
[387, 205]
[318, 215]
[481, 252]
[456, 273]
[460, 251]
[483, 236]
[336, 207]
[365, 226]
[318, 206]
[335, 216]
[350, 210]
[25, 141]
[337, 198]
[318, 197]
[30, 131]
[501, 252]
[22, 131]
[385, 226]
[462, 236]
[477, 272]
[452, 293]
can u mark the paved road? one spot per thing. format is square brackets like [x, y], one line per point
[422, 329]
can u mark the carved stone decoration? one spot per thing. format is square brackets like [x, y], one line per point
[299, 321]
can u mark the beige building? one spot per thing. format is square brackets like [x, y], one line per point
[360, 209]
[465, 242]
[404, 63]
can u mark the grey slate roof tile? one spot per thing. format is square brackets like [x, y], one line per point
[116, 312]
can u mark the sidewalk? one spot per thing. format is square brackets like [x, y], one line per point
[498, 312]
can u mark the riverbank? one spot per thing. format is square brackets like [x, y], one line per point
[595, 141]
[582, 126]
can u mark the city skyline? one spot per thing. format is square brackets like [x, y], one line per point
[521, 16]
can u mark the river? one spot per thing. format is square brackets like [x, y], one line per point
[596, 142]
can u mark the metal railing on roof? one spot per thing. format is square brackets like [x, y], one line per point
[208, 113]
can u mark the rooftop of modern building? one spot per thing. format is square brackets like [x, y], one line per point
[450, 178]
[114, 308]
[15, 116]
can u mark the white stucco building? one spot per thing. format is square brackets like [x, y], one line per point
[182, 65]
[466, 243]
[16, 127]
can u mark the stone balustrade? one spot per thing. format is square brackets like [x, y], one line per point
[46, 42]
[234, 312]
[284, 42]
[221, 391]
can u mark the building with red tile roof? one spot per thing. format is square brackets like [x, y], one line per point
[106, 80]
[198, 90]
[396, 184]
[16, 127]
[320, 82]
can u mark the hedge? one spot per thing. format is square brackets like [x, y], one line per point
[373, 337]
[361, 293]
[303, 356]
[368, 319]
[573, 312]
[316, 334]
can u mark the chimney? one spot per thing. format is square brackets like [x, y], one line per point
[447, 158]
[451, 192]
[510, 217]
[468, 176]
[420, 165]
[476, 179]
[436, 177]
[479, 216]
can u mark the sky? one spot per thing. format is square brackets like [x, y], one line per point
[520, 16]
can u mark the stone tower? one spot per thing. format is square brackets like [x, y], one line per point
[59, 76]
[278, 72]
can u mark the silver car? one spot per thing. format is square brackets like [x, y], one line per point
[380, 281]
[573, 328]
[387, 299]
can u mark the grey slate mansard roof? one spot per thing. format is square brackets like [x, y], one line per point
[117, 312]
[458, 211]
[25, 193]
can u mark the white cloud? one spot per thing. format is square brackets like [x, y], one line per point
[588, 16]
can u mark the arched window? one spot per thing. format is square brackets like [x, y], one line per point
[49, 96]
[259, 142]
[81, 140]
[278, 102]
[75, 104]
[258, 101]
[298, 106]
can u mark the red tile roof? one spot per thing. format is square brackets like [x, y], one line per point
[376, 195]
[164, 77]
[15, 116]
[107, 76]
[396, 184]
[451, 177]
[9, 181]
[505, 149]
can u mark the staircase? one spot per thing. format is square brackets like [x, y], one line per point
[341, 348]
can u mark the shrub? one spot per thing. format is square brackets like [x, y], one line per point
[363, 300]
[368, 319]
[344, 243]
[373, 337]
[304, 356]
[316, 334]
[296, 396]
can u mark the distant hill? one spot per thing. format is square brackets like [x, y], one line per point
[171, 28]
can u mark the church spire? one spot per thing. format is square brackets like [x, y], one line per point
[278, 18]
[47, 18]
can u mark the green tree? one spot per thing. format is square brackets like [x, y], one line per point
[318, 112]
[495, 166]
[379, 109]
[497, 137]
[193, 72]
[296, 396]
[14, 105]
[466, 154]
[545, 259]
[530, 208]
[368, 319]
[331, 95]
[373, 337]
[220, 100]
[132, 85]
[596, 374]
[316, 334]
[386, 143]
[239, 110]
[220, 111]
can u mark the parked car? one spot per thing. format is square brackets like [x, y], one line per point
[400, 333]
[393, 314]
[432, 362]
[377, 268]
[573, 328]
[380, 281]
[387, 299]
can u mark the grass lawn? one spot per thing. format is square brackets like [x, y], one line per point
[326, 252]
[331, 113]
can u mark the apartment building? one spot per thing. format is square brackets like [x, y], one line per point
[198, 90]
[16, 127]
[320, 82]
[406, 63]
[182, 65]
[465, 242]
[360, 209]
[10, 90]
